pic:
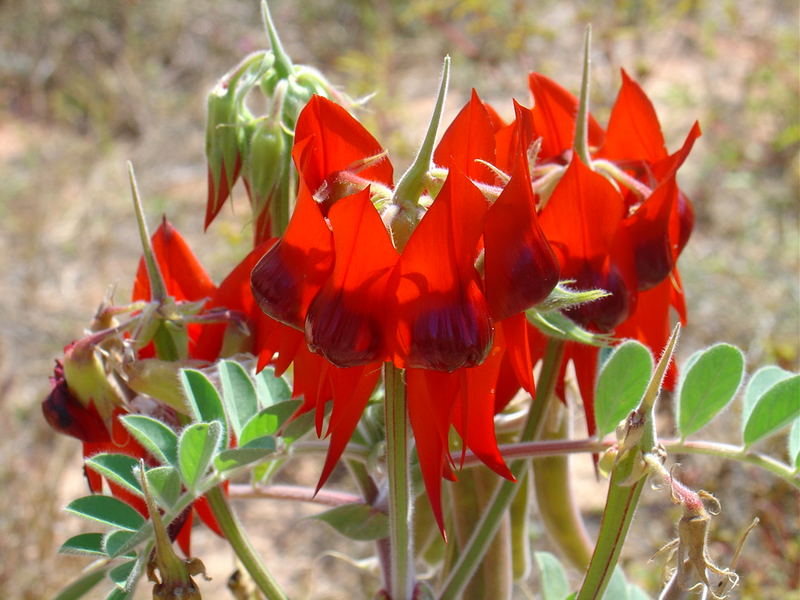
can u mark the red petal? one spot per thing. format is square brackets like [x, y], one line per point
[234, 294]
[473, 413]
[520, 267]
[514, 139]
[203, 509]
[634, 132]
[184, 537]
[468, 138]
[443, 320]
[184, 276]
[518, 353]
[290, 274]
[554, 111]
[649, 229]
[345, 320]
[430, 400]
[329, 140]
[217, 197]
[351, 391]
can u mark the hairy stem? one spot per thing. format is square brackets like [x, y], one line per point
[237, 538]
[402, 544]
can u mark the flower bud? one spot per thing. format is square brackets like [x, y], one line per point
[158, 379]
[87, 379]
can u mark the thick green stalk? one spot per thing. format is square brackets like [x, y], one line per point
[237, 538]
[581, 142]
[555, 500]
[628, 478]
[484, 531]
[158, 289]
[402, 544]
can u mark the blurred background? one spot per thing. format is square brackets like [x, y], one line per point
[87, 84]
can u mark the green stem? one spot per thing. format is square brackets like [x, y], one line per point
[402, 544]
[582, 120]
[283, 64]
[485, 530]
[237, 538]
[737, 453]
[158, 290]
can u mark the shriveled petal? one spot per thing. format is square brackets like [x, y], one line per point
[345, 321]
[443, 321]
[290, 274]
[520, 267]
[468, 138]
[634, 132]
[554, 111]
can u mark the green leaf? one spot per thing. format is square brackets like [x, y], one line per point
[708, 385]
[617, 586]
[85, 543]
[117, 468]
[244, 455]
[196, 448]
[165, 485]
[270, 388]
[268, 421]
[553, 576]
[794, 444]
[357, 521]
[300, 426]
[158, 439]
[556, 324]
[108, 510]
[238, 394]
[203, 399]
[115, 540]
[81, 586]
[760, 382]
[622, 381]
[119, 574]
[776, 407]
[119, 594]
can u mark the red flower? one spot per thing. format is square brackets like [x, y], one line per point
[362, 302]
[624, 238]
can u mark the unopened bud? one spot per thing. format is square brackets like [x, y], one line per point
[87, 379]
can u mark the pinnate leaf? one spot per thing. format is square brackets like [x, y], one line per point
[776, 407]
[708, 385]
[108, 510]
[553, 577]
[203, 399]
[85, 543]
[117, 468]
[760, 382]
[251, 452]
[622, 381]
[196, 449]
[158, 439]
[357, 521]
[238, 394]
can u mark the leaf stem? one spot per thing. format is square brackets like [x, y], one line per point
[402, 544]
[485, 529]
[292, 493]
[236, 536]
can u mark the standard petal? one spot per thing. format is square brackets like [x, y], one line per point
[345, 321]
[520, 268]
[554, 111]
[634, 132]
[443, 321]
[470, 137]
[290, 274]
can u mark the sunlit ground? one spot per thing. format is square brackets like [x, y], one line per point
[85, 86]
